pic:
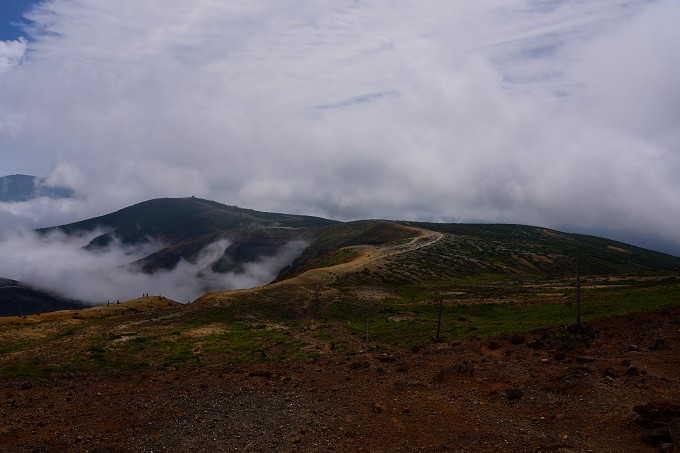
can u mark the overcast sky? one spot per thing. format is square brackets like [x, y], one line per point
[563, 114]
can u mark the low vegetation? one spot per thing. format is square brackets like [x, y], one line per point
[372, 284]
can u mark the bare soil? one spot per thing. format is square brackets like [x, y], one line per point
[542, 391]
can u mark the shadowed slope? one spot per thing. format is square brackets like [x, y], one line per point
[17, 299]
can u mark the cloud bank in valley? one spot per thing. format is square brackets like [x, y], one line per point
[561, 114]
[60, 264]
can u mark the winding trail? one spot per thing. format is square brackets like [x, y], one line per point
[369, 254]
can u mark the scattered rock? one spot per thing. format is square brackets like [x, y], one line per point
[608, 372]
[453, 373]
[632, 371]
[584, 359]
[560, 355]
[361, 365]
[657, 413]
[517, 339]
[656, 343]
[633, 347]
[583, 331]
[379, 408]
[666, 447]
[656, 436]
[260, 373]
[402, 368]
[493, 345]
[674, 428]
[536, 344]
[385, 358]
[513, 393]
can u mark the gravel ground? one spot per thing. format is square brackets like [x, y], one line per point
[519, 393]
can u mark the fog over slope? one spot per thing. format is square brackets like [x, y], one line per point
[59, 263]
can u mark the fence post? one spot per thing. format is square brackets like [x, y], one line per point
[366, 333]
[439, 319]
[578, 285]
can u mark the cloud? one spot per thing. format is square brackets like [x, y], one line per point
[60, 264]
[542, 112]
[11, 53]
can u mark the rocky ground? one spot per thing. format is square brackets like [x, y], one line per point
[619, 390]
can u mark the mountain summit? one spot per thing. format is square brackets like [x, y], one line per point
[186, 226]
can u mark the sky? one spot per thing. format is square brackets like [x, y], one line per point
[12, 19]
[557, 113]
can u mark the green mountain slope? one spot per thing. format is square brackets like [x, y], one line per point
[174, 219]
[376, 283]
[462, 250]
[415, 260]
[186, 225]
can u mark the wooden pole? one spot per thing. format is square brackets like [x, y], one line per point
[366, 334]
[578, 285]
[439, 319]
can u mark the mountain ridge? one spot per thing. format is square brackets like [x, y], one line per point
[370, 253]
[18, 188]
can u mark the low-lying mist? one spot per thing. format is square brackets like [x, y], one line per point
[60, 264]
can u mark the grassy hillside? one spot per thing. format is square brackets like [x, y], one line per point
[471, 250]
[390, 279]
[337, 243]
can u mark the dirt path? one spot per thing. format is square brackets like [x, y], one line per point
[368, 256]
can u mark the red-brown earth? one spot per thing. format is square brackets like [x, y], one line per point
[542, 392]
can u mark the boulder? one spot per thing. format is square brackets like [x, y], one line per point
[656, 343]
[632, 371]
[656, 436]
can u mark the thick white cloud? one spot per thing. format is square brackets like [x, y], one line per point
[11, 53]
[531, 111]
[60, 265]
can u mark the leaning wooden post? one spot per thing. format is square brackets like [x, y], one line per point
[366, 333]
[439, 319]
[578, 285]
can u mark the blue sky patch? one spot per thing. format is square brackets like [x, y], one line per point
[11, 18]
[363, 99]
